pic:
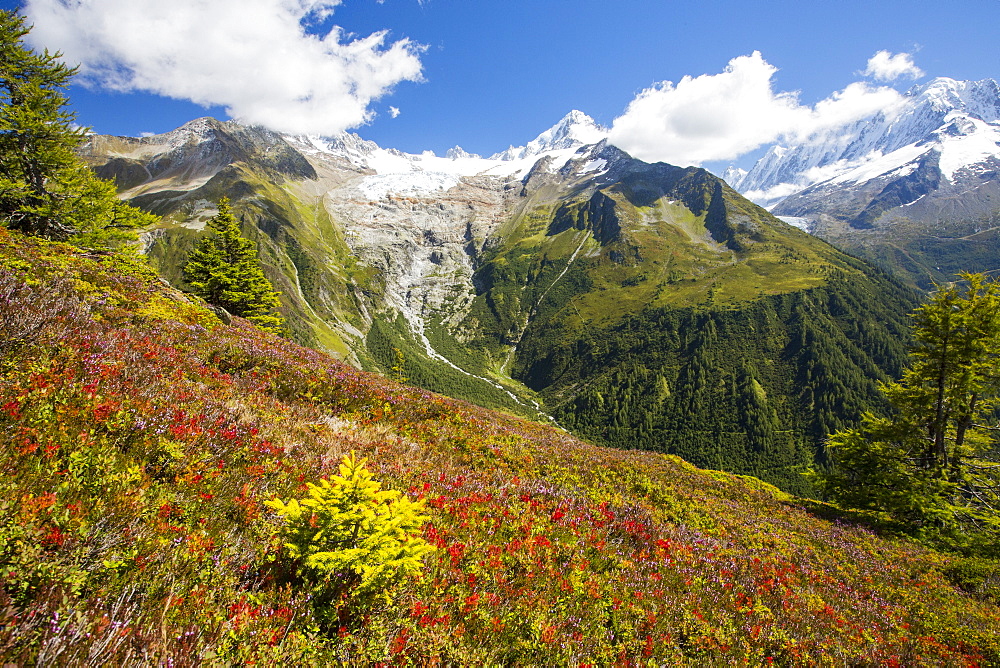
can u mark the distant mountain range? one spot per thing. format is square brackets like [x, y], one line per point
[640, 305]
[915, 188]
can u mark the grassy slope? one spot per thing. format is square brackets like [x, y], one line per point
[301, 248]
[682, 244]
[140, 436]
[670, 253]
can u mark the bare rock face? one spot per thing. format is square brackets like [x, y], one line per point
[424, 244]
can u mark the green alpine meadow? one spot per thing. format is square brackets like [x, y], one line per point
[299, 400]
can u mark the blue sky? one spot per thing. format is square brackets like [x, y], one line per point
[484, 75]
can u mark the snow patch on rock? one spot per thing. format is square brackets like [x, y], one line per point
[378, 186]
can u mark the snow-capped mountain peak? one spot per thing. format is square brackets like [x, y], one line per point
[458, 152]
[345, 145]
[575, 129]
[958, 119]
[976, 98]
[734, 176]
[399, 173]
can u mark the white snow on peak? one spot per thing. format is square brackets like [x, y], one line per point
[575, 129]
[966, 141]
[733, 176]
[898, 163]
[958, 119]
[407, 174]
[977, 98]
[346, 145]
[963, 141]
[459, 152]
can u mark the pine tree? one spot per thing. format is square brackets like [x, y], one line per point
[933, 464]
[45, 189]
[224, 271]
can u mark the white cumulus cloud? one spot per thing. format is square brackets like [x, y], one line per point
[253, 57]
[884, 66]
[723, 116]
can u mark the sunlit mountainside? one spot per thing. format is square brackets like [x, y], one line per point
[555, 280]
[143, 434]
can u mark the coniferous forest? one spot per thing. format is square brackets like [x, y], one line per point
[753, 390]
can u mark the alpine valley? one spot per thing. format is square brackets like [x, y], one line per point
[914, 188]
[636, 305]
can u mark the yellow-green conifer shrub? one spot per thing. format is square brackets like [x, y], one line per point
[350, 537]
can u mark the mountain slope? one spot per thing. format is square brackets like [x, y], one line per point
[502, 280]
[141, 437]
[358, 236]
[654, 307]
[915, 188]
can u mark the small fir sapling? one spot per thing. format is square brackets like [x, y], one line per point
[351, 539]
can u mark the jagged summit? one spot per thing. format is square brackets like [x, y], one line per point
[575, 129]
[734, 175]
[190, 156]
[347, 145]
[976, 98]
[458, 153]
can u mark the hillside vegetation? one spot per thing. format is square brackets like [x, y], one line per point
[141, 438]
[664, 311]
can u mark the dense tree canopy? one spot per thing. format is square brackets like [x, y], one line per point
[224, 271]
[933, 462]
[45, 189]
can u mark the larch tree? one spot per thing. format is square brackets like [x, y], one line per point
[933, 464]
[45, 188]
[224, 271]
